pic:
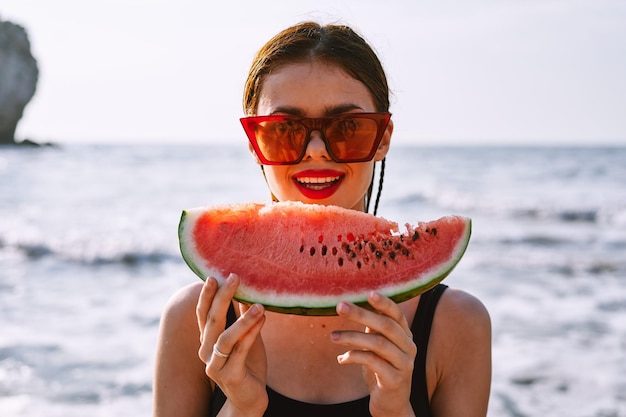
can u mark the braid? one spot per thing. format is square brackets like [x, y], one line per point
[368, 196]
[371, 188]
[380, 185]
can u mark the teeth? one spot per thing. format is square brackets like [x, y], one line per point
[317, 180]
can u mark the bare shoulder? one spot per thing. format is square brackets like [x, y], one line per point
[184, 299]
[461, 320]
[180, 384]
[458, 308]
[178, 322]
[459, 356]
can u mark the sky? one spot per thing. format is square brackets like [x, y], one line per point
[462, 72]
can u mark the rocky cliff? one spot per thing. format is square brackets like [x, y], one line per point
[18, 78]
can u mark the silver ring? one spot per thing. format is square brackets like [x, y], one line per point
[217, 352]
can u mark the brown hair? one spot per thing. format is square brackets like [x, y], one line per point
[334, 44]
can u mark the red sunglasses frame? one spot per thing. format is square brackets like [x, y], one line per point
[312, 124]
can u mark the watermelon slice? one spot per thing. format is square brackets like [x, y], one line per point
[304, 258]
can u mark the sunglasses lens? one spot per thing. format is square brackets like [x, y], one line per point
[281, 141]
[352, 138]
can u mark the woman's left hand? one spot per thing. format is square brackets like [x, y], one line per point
[385, 350]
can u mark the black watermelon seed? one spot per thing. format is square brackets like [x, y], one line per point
[312, 251]
[324, 250]
[372, 247]
[334, 251]
[392, 255]
[379, 254]
[398, 246]
[301, 248]
[405, 252]
[340, 261]
[434, 231]
[415, 236]
[358, 264]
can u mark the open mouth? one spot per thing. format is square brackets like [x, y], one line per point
[318, 183]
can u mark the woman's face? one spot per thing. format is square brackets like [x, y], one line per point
[317, 89]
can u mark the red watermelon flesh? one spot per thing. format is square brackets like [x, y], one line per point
[305, 258]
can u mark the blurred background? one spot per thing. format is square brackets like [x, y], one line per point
[511, 113]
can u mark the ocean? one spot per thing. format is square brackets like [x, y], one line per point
[89, 256]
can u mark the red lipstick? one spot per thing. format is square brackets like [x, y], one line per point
[318, 184]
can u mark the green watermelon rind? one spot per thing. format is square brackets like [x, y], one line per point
[183, 248]
[188, 252]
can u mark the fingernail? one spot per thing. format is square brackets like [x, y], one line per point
[231, 280]
[334, 336]
[374, 296]
[343, 308]
[256, 309]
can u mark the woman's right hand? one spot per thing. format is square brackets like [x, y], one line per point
[235, 357]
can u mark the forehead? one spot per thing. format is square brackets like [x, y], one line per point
[312, 88]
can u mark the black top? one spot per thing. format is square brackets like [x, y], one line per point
[279, 405]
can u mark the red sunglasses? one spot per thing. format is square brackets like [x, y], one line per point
[282, 140]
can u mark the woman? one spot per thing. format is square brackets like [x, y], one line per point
[310, 90]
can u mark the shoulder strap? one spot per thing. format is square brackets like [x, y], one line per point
[422, 324]
[231, 316]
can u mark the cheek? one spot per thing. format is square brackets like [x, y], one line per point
[365, 170]
[277, 177]
[363, 175]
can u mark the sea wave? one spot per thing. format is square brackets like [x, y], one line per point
[539, 240]
[85, 255]
[538, 208]
[599, 215]
[29, 368]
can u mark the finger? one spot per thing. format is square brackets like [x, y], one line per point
[251, 322]
[204, 302]
[375, 323]
[385, 374]
[398, 356]
[234, 344]
[214, 315]
[218, 353]
[238, 330]
[390, 308]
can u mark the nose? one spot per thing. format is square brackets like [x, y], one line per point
[316, 148]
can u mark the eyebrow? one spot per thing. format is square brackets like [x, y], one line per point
[329, 111]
